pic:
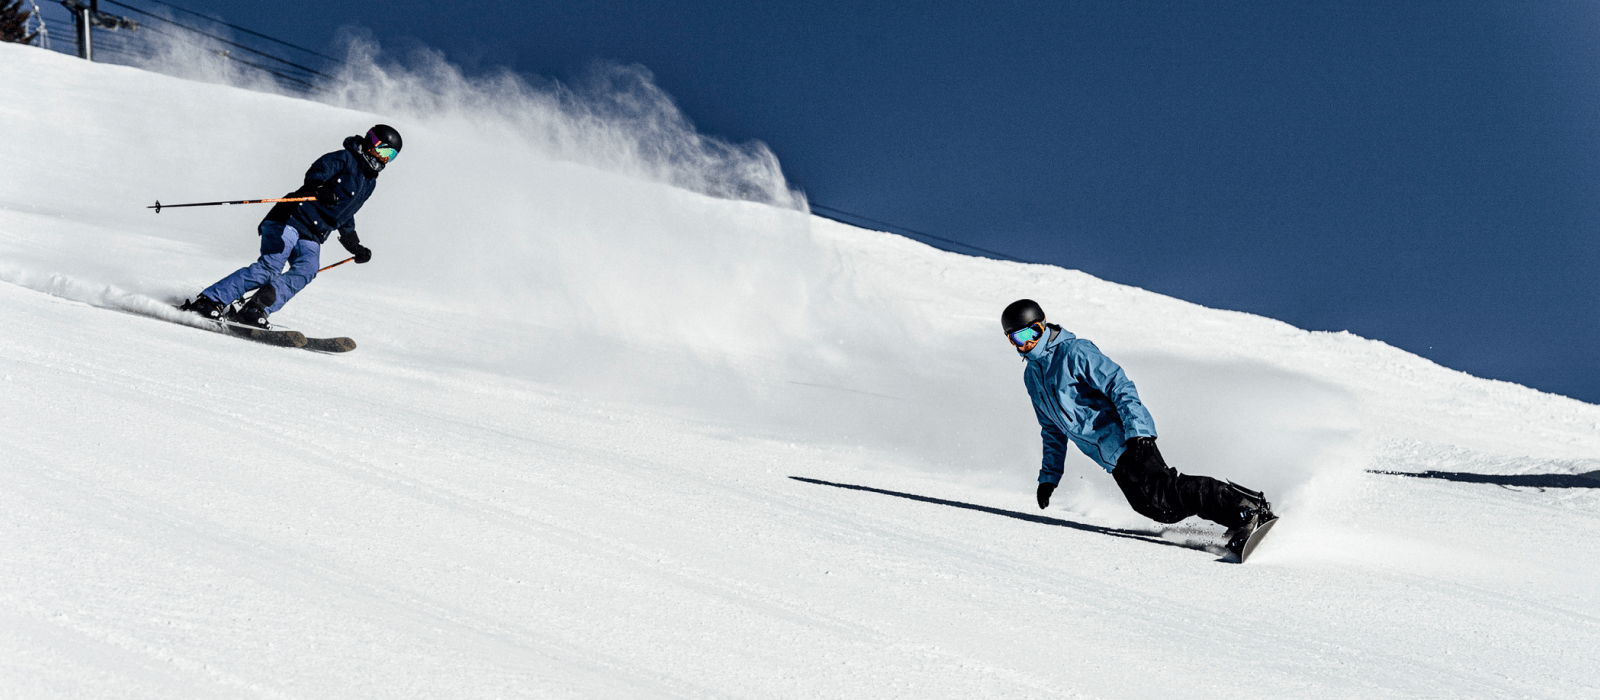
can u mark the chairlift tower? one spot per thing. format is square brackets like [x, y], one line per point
[88, 16]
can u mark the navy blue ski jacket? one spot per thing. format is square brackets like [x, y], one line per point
[346, 174]
[1080, 395]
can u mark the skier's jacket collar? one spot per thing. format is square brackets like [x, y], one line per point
[346, 174]
[1080, 395]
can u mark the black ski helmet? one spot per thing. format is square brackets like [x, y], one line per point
[381, 136]
[1021, 314]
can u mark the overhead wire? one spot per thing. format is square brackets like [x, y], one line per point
[236, 27]
[218, 38]
[123, 45]
[306, 84]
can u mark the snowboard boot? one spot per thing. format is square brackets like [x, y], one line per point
[1254, 511]
[204, 306]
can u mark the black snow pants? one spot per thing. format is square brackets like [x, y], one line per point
[1160, 493]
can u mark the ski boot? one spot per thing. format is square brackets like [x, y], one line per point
[203, 305]
[252, 314]
[252, 311]
[1254, 512]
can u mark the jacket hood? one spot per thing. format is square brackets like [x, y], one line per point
[353, 145]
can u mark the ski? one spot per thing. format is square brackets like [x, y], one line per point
[330, 344]
[290, 339]
[280, 338]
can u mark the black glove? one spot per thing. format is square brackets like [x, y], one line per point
[352, 243]
[1045, 489]
[326, 196]
[1138, 449]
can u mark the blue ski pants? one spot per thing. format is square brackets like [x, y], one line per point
[280, 245]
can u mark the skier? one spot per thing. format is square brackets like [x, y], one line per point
[1079, 394]
[293, 232]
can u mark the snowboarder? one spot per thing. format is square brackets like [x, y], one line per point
[293, 232]
[1080, 395]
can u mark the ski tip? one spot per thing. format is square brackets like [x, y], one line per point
[330, 344]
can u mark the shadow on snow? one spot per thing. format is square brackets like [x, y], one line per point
[1590, 480]
[1151, 536]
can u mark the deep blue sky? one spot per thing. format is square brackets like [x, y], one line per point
[1424, 173]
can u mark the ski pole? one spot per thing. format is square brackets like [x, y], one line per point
[341, 262]
[159, 206]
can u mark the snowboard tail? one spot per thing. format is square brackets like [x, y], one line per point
[1249, 545]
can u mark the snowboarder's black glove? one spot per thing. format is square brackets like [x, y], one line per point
[1138, 449]
[1045, 489]
[326, 196]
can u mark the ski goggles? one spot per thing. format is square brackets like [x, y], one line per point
[382, 150]
[1027, 335]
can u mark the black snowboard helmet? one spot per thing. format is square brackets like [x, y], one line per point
[1021, 314]
[381, 145]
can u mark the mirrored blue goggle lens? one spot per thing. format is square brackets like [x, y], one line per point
[380, 149]
[1025, 336]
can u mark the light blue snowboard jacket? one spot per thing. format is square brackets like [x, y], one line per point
[1079, 394]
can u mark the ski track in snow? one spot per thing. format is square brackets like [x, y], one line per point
[607, 438]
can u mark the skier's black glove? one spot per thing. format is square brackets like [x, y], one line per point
[1045, 489]
[352, 243]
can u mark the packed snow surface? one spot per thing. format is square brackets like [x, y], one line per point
[625, 421]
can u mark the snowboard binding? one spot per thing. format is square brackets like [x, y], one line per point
[1256, 518]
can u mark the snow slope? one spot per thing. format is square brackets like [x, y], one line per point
[609, 436]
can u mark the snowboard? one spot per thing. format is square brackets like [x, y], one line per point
[1255, 538]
